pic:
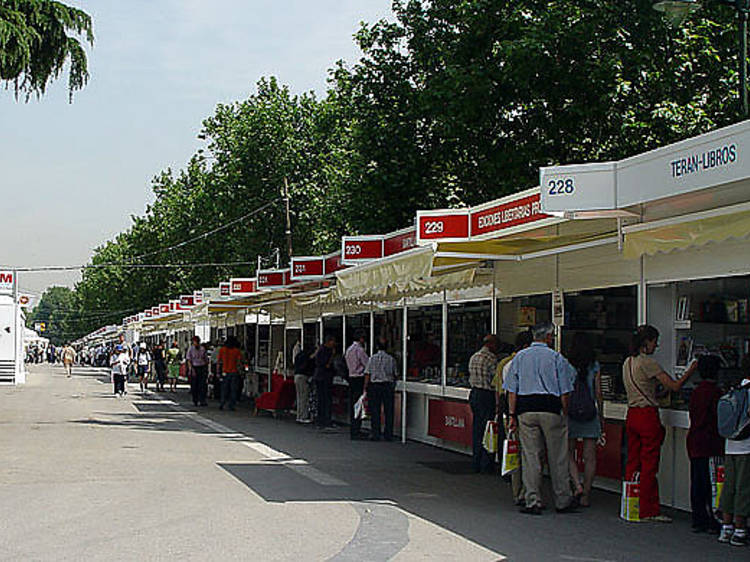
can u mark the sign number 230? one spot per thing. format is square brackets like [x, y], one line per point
[561, 187]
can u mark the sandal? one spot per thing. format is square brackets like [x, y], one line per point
[584, 501]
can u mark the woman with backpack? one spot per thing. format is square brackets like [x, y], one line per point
[640, 373]
[585, 414]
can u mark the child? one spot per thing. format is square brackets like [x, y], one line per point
[703, 442]
[735, 496]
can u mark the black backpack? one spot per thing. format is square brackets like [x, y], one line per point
[582, 407]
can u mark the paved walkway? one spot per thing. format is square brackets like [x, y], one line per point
[89, 476]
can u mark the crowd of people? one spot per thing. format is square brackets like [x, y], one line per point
[550, 402]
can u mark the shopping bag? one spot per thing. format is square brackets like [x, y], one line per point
[630, 502]
[717, 480]
[359, 408]
[490, 437]
[511, 455]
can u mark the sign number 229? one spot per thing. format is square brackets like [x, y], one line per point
[561, 187]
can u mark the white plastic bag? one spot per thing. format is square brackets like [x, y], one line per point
[359, 408]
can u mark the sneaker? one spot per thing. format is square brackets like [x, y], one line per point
[531, 510]
[739, 539]
[661, 518]
[726, 534]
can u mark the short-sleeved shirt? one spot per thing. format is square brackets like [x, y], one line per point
[197, 356]
[502, 368]
[381, 367]
[640, 377]
[229, 357]
[539, 369]
[482, 368]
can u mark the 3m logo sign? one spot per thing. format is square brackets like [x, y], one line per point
[6, 282]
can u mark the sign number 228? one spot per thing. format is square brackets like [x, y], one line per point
[561, 187]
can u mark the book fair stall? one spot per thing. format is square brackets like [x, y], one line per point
[598, 248]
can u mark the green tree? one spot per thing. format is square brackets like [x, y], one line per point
[58, 309]
[37, 39]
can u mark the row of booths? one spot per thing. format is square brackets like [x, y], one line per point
[597, 248]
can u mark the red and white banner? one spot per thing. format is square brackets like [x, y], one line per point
[164, 309]
[503, 216]
[450, 420]
[225, 289]
[307, 267]
[242, 287]
[273, 278]
[154, 311]
[187, 301]
[361, 249]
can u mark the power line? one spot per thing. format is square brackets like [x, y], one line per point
[210, 232]
[127, 265]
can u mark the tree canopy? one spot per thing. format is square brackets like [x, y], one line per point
[37, 39]
[453, 103]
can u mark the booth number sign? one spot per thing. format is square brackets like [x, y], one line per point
[562, 186]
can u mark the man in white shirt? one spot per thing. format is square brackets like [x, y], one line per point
[380, 382]
[356, 361]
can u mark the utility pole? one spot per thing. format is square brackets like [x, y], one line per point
[288, 231]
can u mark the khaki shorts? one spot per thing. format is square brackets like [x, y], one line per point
[735, 495]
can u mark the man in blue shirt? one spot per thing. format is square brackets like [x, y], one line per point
[539, 383]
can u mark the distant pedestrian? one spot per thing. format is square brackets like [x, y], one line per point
[160, 366]
[704, 442]
[303, 372]
[144, 361]
[68, 357]
[197, 363]
[356, 361]
[174, 359]
[229, 360]
[323, 376]
[482, 367]
[380, 383]
[120, 362]
[583, 358]
[640, 373]
[538, 384]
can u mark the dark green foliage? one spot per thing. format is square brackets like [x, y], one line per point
[457, 102]
[36, 43]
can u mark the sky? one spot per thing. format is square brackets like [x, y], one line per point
[72, 175]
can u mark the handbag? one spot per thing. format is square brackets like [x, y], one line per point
[359, 408]
[511, 455]
[490, 437]
[630, 501]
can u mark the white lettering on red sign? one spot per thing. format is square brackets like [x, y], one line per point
[454, 421]
[499, 217]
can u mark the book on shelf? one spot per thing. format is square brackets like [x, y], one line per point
[684, 351]
[683, 308]
[732, 307]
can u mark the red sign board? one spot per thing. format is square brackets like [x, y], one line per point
[225, 289]
[399, 242]
[356, 249]
[446, 225]
[304, 267]
[333, 264]
[187, 301]
[273, 278]
[155, 311]
[239, 287]
[164, 308]
[149, 314]
[507, 215]
[450, 420]
[198, 297]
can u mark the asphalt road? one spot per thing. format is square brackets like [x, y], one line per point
[87, 476]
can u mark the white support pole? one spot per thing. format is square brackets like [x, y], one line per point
[493, 306]
[642, 305]
[404, 364]
[444, 335]
[372, 332]
[285, 342]
[343, 328]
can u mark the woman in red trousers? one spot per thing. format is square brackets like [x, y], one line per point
[640, 373]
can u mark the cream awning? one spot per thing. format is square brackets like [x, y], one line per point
[667, 236]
